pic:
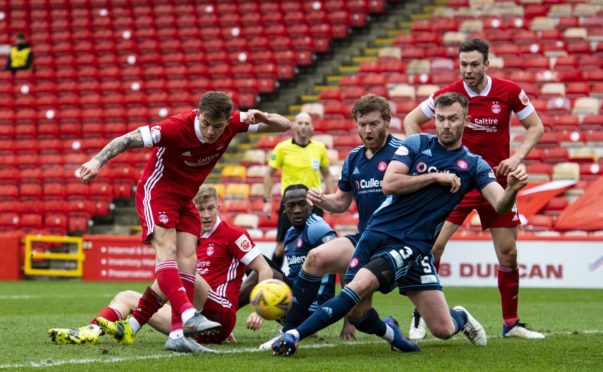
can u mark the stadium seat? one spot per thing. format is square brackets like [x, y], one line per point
[237, 206]
[236, 191]
[246, 220]
[566, 171]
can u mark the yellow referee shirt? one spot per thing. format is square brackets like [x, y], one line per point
[299, 164]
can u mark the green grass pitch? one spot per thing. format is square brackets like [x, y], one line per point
[572, 320]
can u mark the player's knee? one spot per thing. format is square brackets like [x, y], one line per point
[508, 255]
[313, 263]
[441, 329]
[128, 298]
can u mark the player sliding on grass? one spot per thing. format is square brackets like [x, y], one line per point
[223, 253]
[425, 180]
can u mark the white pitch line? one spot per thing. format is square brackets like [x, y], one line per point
[51, 363]
[35, 297]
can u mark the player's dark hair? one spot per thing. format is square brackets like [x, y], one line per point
[215, 105]
[296, 186]
[475, 44]
[449, 99]
[369, 103]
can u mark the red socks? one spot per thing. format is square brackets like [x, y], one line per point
[108, 313]
[508, 286]
[171, 285]
[148, 305]
[188, 282]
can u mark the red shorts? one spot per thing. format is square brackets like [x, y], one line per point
[487, 215]
[155, 207]
[227, 316]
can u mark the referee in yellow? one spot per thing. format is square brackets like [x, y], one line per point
[300, 160]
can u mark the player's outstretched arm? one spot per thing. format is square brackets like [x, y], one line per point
[261, 266]
[131, 140]
[264, 271]
[397, 181]
[414, 120]
[268, 122]
[501, 199]
[267, 208]
[338, 202]
[534, 130]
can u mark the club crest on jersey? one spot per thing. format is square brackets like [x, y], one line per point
[210, 250]
[402, 151]
[156, 134]
[382, 166]
[495, 107]
[462, 164]
[243, 243]
[163, 218]
[523, 97]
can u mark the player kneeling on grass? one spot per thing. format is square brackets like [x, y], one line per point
[223, 253]
[425, 180]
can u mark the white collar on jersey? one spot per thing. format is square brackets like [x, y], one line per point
[214, 227]
[484, 92]
[198, 130]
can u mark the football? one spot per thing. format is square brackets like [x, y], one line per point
[271, 299]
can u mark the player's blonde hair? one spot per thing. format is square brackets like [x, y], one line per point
[205, 193]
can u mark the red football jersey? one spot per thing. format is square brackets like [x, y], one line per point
[488, 133]
[223, 254]
[181, 159]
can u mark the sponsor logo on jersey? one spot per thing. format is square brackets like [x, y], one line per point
[163, 218]
[354, 262]
[220, 147]
[422, 167]
[210, 250]
[426, 152]
[243, 243]
[186, 153]
[491, 175]
[382, 166]
[368, 184]
[356, 171]
[485, 124]
[462, 164]
[156, 134]
[295, 260]
[402, 151]
[299, 242]
[495, 107]
[203, 161]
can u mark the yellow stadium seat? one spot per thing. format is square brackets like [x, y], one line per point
[237, 191]
[219, 189]
[233, 173]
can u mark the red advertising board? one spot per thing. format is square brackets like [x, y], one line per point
[118, 258]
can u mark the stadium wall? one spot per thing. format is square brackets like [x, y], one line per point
[551, 263]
